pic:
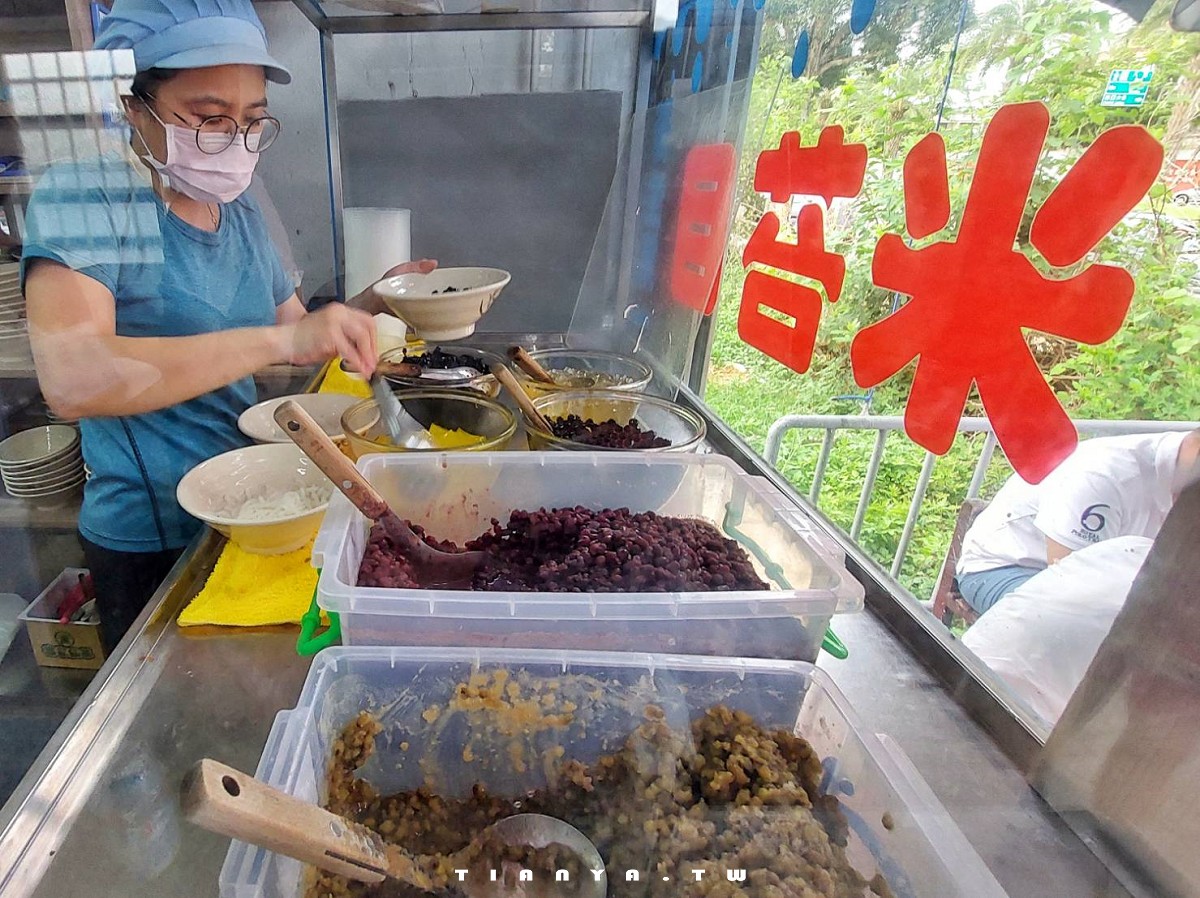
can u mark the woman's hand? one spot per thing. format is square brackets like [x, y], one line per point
[371, 302]
[332, 331]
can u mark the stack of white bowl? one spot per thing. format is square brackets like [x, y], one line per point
[14, 332]
[42, 463]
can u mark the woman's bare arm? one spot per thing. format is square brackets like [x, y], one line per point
[86, 370]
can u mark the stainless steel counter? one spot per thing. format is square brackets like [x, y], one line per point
[98, 812]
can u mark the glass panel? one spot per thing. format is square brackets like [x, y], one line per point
[1091, 66]
[457, 7]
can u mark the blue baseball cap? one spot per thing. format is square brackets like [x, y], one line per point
[189, 34]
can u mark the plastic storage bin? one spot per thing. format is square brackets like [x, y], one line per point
[455, 496]
[920, 852]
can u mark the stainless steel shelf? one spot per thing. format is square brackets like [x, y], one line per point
[22, 184]
[22, 515]
[163, 700]
[498, 21]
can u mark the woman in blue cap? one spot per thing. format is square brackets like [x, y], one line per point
[154, 292]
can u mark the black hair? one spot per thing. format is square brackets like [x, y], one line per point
[147, 83]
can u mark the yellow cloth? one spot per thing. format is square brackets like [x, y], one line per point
[338, 381]
[246, 590]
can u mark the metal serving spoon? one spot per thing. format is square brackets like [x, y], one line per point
[230, 803]
[403, 429]
[414, 371]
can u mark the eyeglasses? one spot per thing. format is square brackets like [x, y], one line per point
[216, 133]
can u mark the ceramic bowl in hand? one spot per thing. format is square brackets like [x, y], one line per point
[444, 304]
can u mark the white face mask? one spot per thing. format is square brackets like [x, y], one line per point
[206, 178]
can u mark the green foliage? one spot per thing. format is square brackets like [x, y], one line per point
[887, 96]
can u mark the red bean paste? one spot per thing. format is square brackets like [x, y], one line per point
[607, 434]
[579, 550]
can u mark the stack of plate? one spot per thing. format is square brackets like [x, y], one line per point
[42, 463]
[57, 419]
[14, 334]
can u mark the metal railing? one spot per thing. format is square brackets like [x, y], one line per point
[831, 424]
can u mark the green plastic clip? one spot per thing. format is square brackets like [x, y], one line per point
[831, 642]
[310, 641]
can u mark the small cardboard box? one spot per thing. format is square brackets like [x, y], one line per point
[59, 645]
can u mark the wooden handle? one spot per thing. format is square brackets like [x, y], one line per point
[502, 374]
[230, 803]
[400, 369]
[529, 365]
[316, 444]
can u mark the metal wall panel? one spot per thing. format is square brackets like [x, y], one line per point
[514, 181]
[392, 71]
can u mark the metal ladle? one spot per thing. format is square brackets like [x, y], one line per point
[228, 802]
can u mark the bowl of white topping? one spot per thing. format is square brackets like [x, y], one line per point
[268, 499]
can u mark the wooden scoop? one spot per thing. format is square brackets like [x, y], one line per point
[230, 803]
[433, 567]
[502, 374]
[529, 365]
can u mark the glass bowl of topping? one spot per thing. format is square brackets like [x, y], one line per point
[614, 421]
[582, 369]
[436, 367]
[456, 420]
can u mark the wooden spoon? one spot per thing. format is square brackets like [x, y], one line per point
[230, 803]
[519, 395]
[529, 365]
[433, 567]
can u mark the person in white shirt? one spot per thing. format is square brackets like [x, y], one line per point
[1108, 487]
[1041, 639]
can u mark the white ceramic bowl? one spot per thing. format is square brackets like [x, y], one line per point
[47, 489]
[53, 499]
[62, 472]
[36, 446]
[258, 423]
[68, 466]
[435, 315]
[209, 489]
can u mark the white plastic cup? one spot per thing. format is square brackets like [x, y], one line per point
[376, 240]
[390, 333]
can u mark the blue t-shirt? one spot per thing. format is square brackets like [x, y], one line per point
[168, 279]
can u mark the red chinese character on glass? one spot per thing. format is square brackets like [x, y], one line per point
[973, 297]
[830, 169]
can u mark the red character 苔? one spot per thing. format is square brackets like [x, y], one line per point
[830, 169]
